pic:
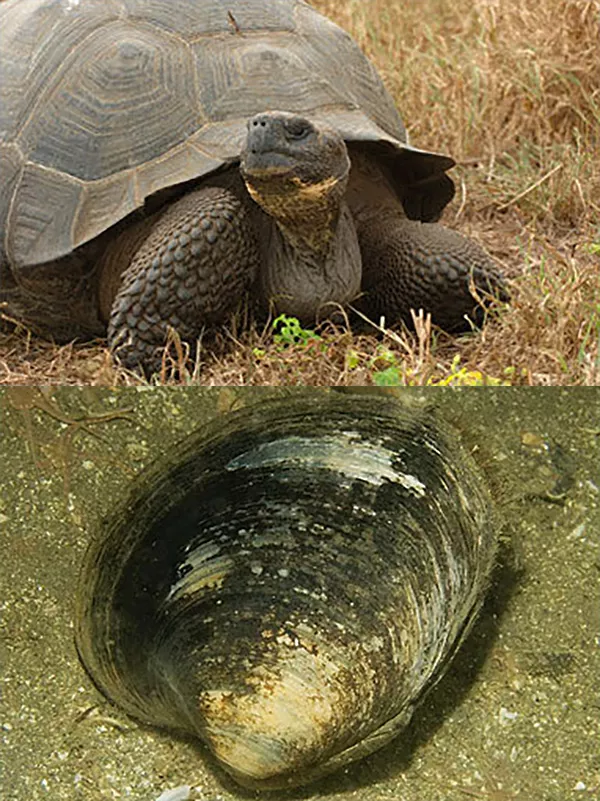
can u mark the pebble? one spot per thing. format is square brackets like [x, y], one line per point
[506, 716]
[176, 793]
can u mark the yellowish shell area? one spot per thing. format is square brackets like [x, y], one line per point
[289, 585]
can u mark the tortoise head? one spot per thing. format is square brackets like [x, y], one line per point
[292, 167]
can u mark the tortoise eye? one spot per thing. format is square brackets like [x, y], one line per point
[298, 129]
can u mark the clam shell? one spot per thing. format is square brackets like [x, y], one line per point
[289, 584]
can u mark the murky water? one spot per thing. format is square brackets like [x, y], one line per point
[516, 717]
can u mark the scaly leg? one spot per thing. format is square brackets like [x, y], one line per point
[198, 261]
[412, 265]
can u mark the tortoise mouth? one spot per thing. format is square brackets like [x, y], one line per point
[267, 164]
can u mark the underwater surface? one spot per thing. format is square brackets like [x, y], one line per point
[517, 715]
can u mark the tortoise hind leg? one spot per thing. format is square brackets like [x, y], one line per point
[412, 265]
[57, 299]
[197, 262]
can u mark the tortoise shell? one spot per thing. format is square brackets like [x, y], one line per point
[105, 102]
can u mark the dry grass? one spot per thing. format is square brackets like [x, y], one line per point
[511, 88]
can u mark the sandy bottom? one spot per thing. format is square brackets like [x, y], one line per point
[517, 715]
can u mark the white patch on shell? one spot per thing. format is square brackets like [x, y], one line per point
[259, 733]
[206, 568]
[343, 453]
[269, 537]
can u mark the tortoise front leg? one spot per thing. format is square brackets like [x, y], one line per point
[198, 261]
[412, 265]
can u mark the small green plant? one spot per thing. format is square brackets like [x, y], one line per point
[389, 372]
[353, 359]
[390, 377]
[288, 331]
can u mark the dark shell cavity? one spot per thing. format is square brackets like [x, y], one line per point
[290, 584]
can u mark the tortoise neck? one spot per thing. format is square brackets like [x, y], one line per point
[308, 270]
[307, 215]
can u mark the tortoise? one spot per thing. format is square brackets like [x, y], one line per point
[165, 162]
